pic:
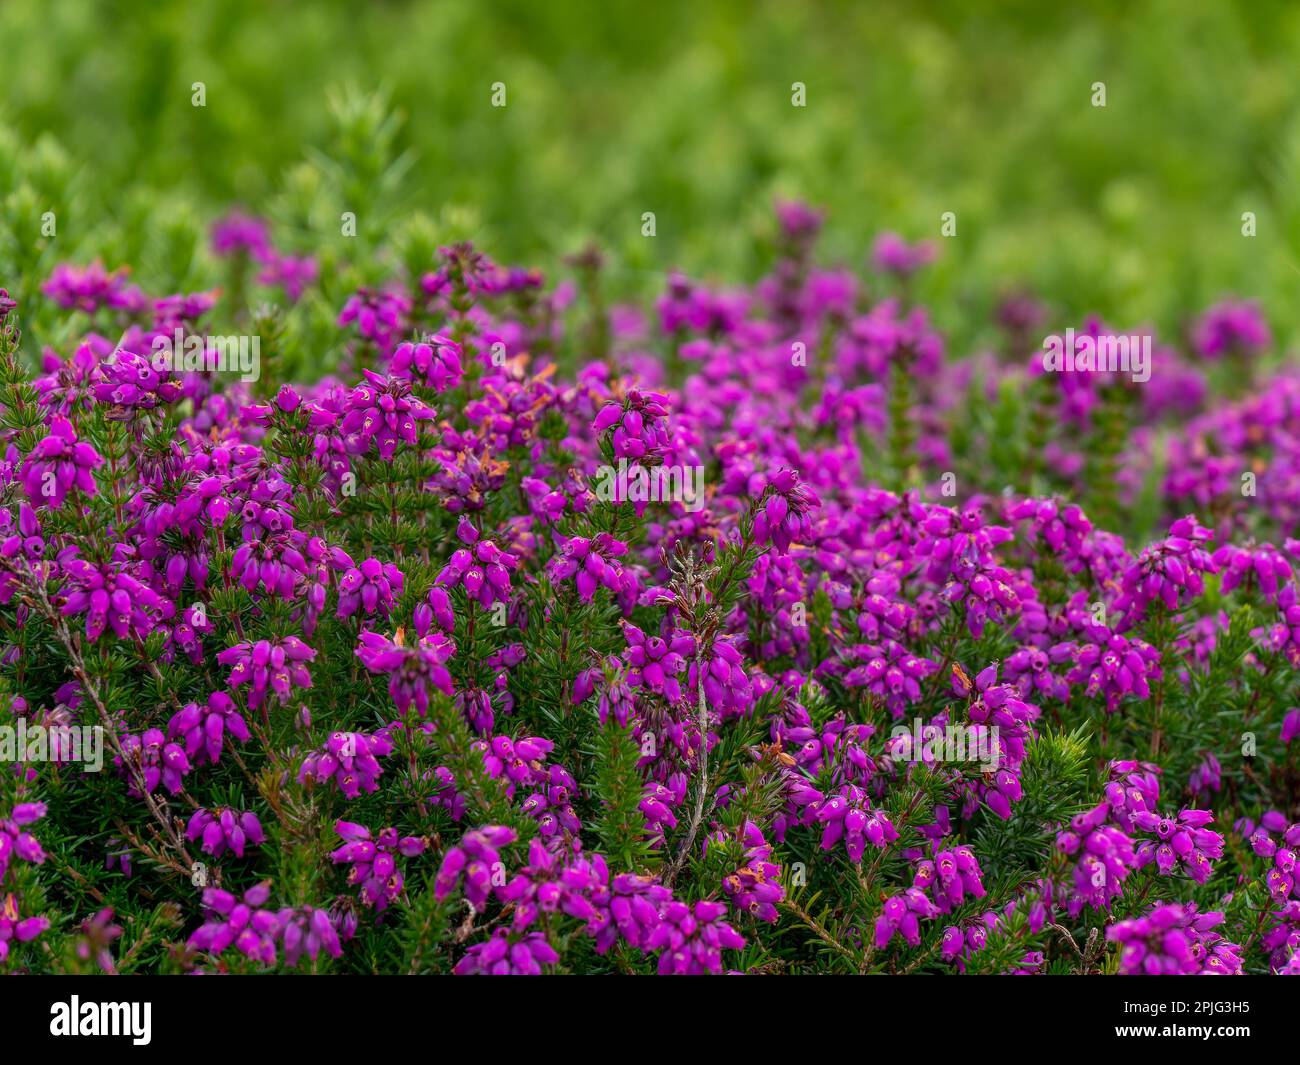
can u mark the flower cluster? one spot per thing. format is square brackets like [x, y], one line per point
[266, 666]
[1171, 939]
[627, 730]
[592, 563]
[152, 759]
[202, 728]
[477, 861]
[413, 672]
[260, 933]
[374, 860]
[220, 830]
[480, 569]
[637, 427]
[369, 587]
[350, 759]
[756, 886]
[434, 362]
[59, 463]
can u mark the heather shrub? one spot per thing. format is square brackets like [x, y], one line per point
[725, 488]
[748, 630]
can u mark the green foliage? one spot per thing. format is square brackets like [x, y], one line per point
[912, 110]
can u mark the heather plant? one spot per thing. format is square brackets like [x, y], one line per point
[384, 683]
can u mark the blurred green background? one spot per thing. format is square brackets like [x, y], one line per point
[683, 108]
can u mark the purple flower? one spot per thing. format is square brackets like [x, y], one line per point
[1206, 778]
[477, 861]
[15, 840]
[893, 255]
[412, 671]
[374, 860]
[657, 804]
[129, 380]
[890, 671]
[1167, 572]
[57, 464]
[290, 273]
[181, 309]
[436, 609]
[521, 763]
[592, 563]
[1263, 568]
[480, 569]
[310, 931]
[370, 586]
[203, 728]
[798, 220]
[350, 760]
[271, 563]
[1115, 666]
[554, 883]
[224, 829]
[155, 758]
[691, 939]
[13, 929]
[657, 661]
[953, 874]
[239, 233]
[1231, 328]
[276, 666]
[1105, 859]
[110, 598]
[1171, 939]
[508, 955]
[258, 932]
[1182, 844]
[835, 745]
[901, 915]
[85, 288]
[848, 816]
[1063, 529]
[784, 508]
[379, 316]
[434, 362]
[96, 939]
[756, 886]
[383, 411]
[637, 427]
